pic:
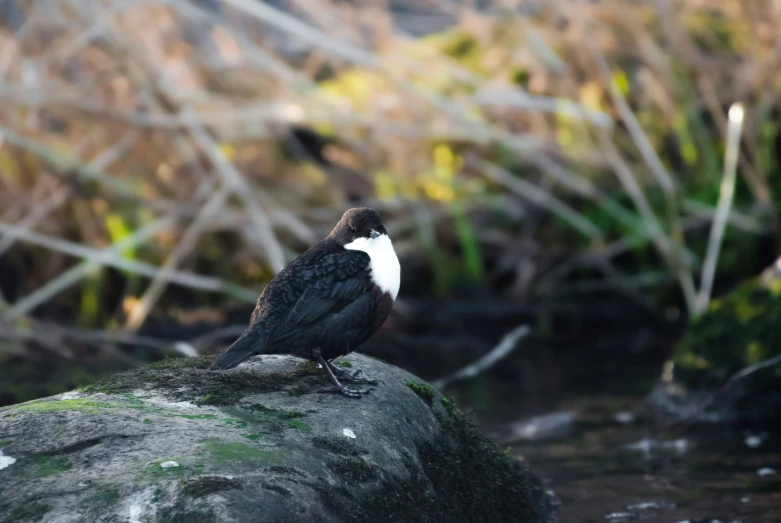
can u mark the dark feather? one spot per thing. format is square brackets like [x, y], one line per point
[328, 295]
[247, 345]
[323, 299]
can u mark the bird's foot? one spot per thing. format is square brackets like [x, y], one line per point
[346, 391]
[332, 371]
[352, 377]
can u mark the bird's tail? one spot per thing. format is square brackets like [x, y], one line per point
[248, 344]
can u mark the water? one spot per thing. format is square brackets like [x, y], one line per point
[593, 442]
[613, 465]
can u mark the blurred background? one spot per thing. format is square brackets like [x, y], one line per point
[568, 184]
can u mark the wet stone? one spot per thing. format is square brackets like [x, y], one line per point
[178, 441]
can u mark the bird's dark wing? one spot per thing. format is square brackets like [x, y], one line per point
[331, 284]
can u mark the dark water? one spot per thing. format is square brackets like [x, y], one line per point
[602, 453]
[606, 460]
[605, 470]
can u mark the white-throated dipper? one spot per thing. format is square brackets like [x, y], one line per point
[328, 301]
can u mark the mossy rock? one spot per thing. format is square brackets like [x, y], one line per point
[740, 333]
[178, 441]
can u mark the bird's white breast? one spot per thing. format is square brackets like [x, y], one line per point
[386, 271]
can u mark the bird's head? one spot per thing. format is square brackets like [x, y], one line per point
[358, 223]
[361, 229]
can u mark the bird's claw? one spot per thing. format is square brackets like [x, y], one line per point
[352, 377]
[346, 391]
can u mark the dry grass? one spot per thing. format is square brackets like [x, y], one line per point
[155, 138]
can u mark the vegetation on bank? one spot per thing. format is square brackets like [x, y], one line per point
[738, 331]
[162, 161]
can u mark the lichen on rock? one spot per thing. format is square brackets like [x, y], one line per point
[178, 441]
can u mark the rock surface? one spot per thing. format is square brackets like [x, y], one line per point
[727, 367]
[178, 442]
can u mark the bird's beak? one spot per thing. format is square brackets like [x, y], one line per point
[374, 233]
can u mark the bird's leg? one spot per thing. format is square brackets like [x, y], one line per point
[346, 391]
[351, 377]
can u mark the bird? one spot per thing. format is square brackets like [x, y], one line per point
[326, 302]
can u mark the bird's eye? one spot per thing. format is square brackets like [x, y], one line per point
[353, 229]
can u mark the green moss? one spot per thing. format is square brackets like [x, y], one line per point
[303, 426]
[147, 420]
[450, 407]
[158, 495]
[31, 513]
[194, 416]
[183, 363]
[275, 420]
[239, 424]
[738, 330]
[344, 363]
[90, 406]
[253, 437]
[422, 390]
[156, 471]
[41, 466]
[3, 443]
[239, 452]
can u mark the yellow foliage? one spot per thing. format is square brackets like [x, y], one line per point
[358, 87]
[444, 162]
[118, 229]
[439, 191]
[324, 128]
[384, 185]
[565, 136]
[621, 82]
[227, 150]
